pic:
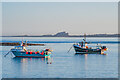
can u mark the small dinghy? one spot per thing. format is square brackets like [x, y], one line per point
[21, 51]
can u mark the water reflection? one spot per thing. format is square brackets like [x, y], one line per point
[83, 57]
[86, 55]
[26, 60]
[48, 60]
[25, 65]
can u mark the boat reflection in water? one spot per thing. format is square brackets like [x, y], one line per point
[47, 60]
[28, 65]
[82, 61]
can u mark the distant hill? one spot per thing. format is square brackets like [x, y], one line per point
[65, 34]
[62, 34]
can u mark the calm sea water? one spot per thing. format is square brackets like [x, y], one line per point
[63, 64]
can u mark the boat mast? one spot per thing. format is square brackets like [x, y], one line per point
[85, 40]
[22, 42]
[26, 43]
[85, 37]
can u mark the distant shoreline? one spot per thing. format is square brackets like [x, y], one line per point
[65, 34]
[69, 36]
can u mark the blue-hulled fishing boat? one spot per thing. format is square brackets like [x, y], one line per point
[21, 51]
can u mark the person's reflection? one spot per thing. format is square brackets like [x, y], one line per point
[48, 60]
[86, 55]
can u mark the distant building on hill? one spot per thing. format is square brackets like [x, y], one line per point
[62, 34]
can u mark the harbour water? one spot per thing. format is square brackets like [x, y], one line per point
[63, 64]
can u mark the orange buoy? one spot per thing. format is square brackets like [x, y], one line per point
[86, 46]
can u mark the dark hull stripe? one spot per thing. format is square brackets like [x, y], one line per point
[88, 53]
[31, 56]
[84, 51]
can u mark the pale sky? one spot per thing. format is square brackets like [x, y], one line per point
[38, 18]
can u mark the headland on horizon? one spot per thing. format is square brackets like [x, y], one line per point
[65, 34]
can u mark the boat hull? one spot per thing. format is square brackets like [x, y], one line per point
[23, 54]
[80, 50]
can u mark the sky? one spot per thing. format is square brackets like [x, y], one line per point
[42, 18]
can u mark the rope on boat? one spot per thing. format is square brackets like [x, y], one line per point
[69, 49]
[7, 54]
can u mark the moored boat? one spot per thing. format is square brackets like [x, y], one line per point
[21, 51]
[87, 50]
[82, 48]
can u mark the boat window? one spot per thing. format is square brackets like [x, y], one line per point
[18, 47]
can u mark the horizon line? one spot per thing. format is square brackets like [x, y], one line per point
[68, 34]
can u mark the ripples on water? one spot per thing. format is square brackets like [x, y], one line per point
[63, 64]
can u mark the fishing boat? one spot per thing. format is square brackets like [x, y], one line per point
[21, 51]
[83, 48]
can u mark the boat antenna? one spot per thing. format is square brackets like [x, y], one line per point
[26, 43]
[84, 37]
[22, 42]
